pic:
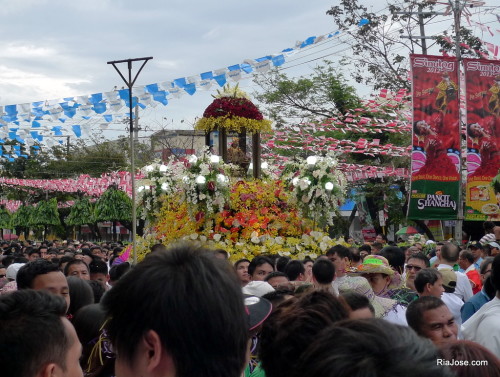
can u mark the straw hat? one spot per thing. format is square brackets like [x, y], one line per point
[360, 285]
[374, 264]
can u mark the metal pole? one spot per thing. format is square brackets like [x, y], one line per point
[457, 11]
[130, 83]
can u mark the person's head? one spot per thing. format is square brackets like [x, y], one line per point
[430, 317]
[364, 250]
[369, 347]
[95, 251]
[360, 305]
[99, 271]
[457, 353]
[42, 275]
[429, 282]
[295, 270]
[376, 247]
[221, 254]
[465, 259]
[158, 247]
[278, 280]
[476, 249]
[77, 268]
[241, 267]
[34, 255]
[293, 326]
[340, 256]
[494, 248]
[475, 130]
[421, 128]
[323, 271]
[117, 272]
[395, 256]
[80, 292]
[308, 264]
[98, 289]
[381, 238]
[449, 253]
[485, 268]
[259, 268]
[88, 322]
[417, 262]
[281, 263]
[495, 273]
[36, 338]
[199, 326]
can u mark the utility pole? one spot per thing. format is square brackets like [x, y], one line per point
[130, 83]
[422, 37]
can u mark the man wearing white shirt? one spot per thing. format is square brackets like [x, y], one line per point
[449, 257]
[484, 326]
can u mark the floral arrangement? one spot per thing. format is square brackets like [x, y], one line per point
[205, 185]
[232, 110]
[159, 181]
[318, 187]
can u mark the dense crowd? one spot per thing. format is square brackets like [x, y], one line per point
[73, 309]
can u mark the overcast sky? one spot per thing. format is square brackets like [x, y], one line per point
[53, 48]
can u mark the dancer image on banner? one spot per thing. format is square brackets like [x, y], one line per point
[435, 151]
[482, 152]
[494, 100]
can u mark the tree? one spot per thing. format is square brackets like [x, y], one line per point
[322, 95]
[114, 205]
[21, 219]
[377, 49]
[45, 214]
[82, 213]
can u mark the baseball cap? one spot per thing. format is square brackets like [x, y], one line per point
[257, 288]
[476, 245]
[449, 280]
[494, 244]
[11, 272]
[258, 309]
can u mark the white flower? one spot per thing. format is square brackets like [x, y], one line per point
[202, 197]
[255, 239]
[200, 180]
[264, 165]
[254, 234]
[149, 168]
[304, 183]
[203, 238]
[164, 186]
[311, 160]
[214, 159]
[323, 246]
[163, 168]
[222, 178]
[295, 181]
[192, 159]
[217, 237]
[329, 186]
[279, 240]
[305, 198]
[193, 236]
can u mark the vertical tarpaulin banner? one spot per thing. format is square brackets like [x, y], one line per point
[482, 83]
[435, 160]
[365, 219]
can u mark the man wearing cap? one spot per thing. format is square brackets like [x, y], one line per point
[449, 298]
[494, 248]
[484, 326]
[477, 250]
[489, 234]
[449, 257]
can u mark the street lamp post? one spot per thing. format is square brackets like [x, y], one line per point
[130, 83]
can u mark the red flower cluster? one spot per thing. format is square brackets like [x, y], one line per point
[231, 106]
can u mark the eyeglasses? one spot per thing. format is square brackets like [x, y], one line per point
[411, 267]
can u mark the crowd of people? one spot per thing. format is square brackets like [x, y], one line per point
[80, 309]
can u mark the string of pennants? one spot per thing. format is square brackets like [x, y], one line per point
[33, 123]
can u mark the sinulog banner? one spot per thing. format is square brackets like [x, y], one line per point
[435, 160]
[482, 82]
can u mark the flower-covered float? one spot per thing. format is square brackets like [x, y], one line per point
[206, 199]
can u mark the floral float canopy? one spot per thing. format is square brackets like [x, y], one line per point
[233, 111]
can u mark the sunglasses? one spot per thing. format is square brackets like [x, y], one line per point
[411, 267]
